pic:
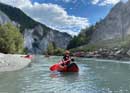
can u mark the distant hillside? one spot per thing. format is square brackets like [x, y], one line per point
[112, 31]
[82, 39]
[115, 25]
[17, 15]
[37, 36]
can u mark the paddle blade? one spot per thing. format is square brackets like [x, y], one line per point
[54, 67]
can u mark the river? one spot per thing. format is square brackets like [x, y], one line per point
[95, 76]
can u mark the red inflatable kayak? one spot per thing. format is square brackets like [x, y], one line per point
[70, 68]
[28, 56]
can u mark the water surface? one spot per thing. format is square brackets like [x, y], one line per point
[95, 76]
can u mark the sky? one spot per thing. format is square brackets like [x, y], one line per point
[69, 16]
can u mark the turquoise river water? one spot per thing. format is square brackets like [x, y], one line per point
[95, 76]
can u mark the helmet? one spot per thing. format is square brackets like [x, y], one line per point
[67, 52]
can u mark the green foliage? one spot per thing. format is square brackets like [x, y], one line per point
[76, 41]
[82, 39]
[59, 51]
[89, 48]
[11, 40]
[53, 50]
[85, 48]
[50, 49]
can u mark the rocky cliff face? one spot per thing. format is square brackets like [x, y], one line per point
[115, 25]
[37, 36]
[37, 40]
[4, 18]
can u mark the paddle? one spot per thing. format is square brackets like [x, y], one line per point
[54, 67]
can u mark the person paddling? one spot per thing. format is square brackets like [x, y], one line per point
[65, 64]
[66, 59]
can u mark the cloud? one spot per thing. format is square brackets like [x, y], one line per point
[74, 1]
[51, 15]
[17, 3]
[95, 1]
[106, 2]
[67, 1]
[109, 2]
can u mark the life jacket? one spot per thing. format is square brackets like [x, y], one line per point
[66, 60]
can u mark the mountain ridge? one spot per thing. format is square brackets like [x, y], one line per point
[39, 33]
[114, 25]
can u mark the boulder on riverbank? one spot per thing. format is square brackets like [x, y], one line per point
[9, 62]
[104, 53]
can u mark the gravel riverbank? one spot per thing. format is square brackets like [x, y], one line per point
[103, 53]
[9, 62]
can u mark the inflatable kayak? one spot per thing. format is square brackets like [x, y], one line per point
[28, 56]
[70, 68]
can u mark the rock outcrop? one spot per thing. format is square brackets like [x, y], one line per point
[115, 25]
[4, 18]
[37, 40]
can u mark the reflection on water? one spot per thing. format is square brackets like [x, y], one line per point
[69, 77]
[95, 76]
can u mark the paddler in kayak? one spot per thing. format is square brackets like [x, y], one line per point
[65, 64]
[66, 59]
